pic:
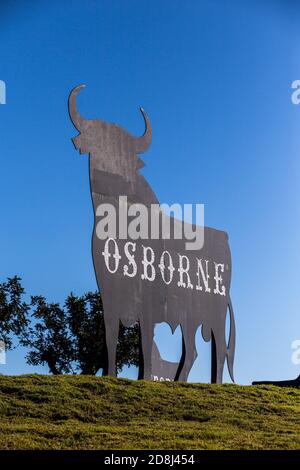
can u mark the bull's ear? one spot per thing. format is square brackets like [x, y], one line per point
[140, 164]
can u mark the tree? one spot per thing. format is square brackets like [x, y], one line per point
[72, 338]
[86, 323]
[48, 337]
[13, 310]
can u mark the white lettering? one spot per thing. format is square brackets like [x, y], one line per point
[106, 227]
[296, 94]
[201, 273]
[148, 263]
[219, 279]
[131, 260]
[170, 267]
[183, 271]
[138, 227]
[204, 276]
[296, 353]
[116, 255]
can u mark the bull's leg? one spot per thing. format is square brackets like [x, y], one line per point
[146, 343]
[218, 355]
[111, 337]
[189, 354]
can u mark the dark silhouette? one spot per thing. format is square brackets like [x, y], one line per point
[162, 369]
[129, 297]
[281, 383]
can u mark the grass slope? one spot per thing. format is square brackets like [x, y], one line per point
[78, 412]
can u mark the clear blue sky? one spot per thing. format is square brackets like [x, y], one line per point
[215, 78]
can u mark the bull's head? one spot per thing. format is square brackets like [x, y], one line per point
[112, 148]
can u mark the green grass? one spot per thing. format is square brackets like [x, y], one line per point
[78, 412]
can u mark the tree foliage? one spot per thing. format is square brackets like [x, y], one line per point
[13, 311]
[48, 338]
[72, 339]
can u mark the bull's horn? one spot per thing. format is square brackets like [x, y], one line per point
[77, 120]
[144, 142]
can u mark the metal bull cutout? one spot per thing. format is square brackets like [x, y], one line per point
[157, 280]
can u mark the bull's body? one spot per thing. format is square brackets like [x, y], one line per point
[114, 172]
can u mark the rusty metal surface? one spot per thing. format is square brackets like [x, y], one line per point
[114, 165]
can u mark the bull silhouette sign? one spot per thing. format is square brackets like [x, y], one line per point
[159, 279]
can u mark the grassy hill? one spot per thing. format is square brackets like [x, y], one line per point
[77, 412]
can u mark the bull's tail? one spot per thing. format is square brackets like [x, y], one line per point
[231, 343]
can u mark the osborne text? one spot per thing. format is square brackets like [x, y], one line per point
[195, 273]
